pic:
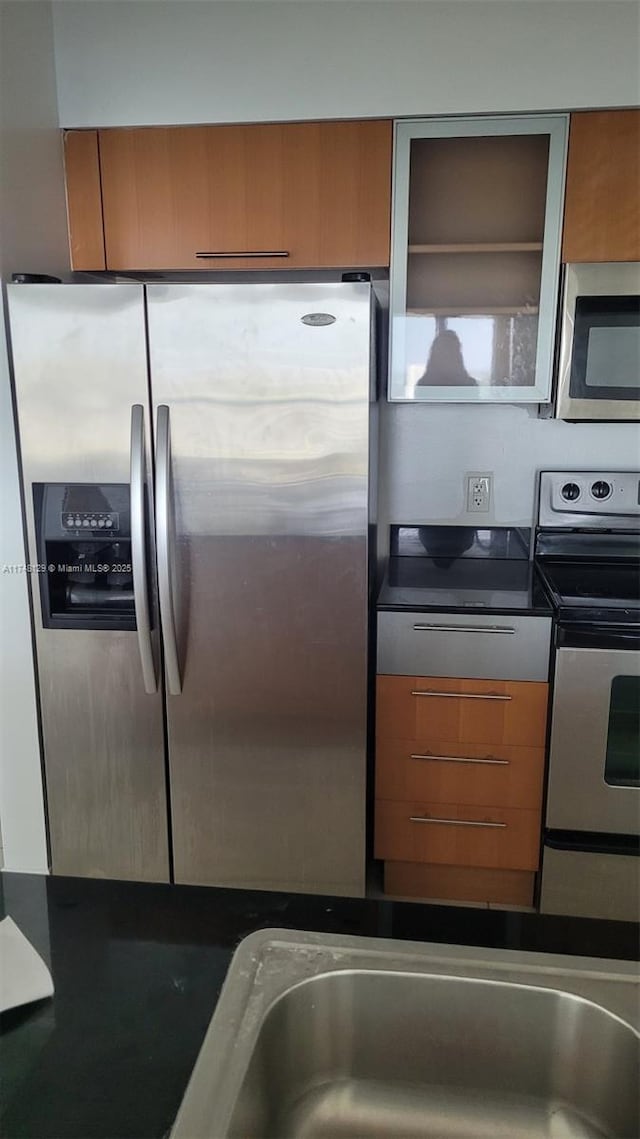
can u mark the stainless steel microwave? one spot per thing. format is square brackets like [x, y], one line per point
[599, 365]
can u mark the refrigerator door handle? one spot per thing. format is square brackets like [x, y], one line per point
[164, 534]
[139, 549]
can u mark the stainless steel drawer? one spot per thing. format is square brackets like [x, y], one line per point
[590, 884]
[441, 644]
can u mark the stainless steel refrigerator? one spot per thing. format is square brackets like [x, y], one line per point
[196, 466]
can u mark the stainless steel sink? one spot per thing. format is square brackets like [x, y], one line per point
[323, 1037]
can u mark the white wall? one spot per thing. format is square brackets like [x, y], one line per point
[149, 61]
[33, 236]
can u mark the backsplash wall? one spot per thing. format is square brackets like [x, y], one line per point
[426, 450]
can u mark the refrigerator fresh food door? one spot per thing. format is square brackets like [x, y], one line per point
[262, 400]
[81, 381]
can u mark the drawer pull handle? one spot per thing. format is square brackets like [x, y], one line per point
[453, 822]
[212, 254]
[461, 695]
[464, 629]
[461, 759]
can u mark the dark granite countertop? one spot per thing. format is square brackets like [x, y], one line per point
[137, 971]
[456, 569]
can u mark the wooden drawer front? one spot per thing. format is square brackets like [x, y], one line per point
[311, 194]
[430, 708]
[439, 644]
[436, 832]
[459, 883]
[496, 776]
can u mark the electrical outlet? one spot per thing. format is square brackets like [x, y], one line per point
[479, 491]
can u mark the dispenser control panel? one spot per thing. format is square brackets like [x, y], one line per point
[87, 509]
[108, 520]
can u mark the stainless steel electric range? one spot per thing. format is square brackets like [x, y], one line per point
[587, 551]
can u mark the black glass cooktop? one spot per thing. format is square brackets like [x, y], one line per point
[580, 584]
[594, 591]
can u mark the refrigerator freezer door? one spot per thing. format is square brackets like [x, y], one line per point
[269, 429]
[80, 364]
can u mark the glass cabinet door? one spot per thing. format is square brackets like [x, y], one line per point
[475, 260]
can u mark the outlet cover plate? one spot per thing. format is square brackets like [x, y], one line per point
[479, 487]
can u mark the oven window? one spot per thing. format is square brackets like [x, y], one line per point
[622, 764]
[606, 348]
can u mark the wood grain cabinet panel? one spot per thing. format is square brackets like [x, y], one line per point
[459, 883]
[602, 205]
[474, 774]
[499, 837]
[311, 194]
[84, 199]
[431, 708]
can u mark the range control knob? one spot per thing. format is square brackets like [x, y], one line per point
[601, 489]
[570, 491]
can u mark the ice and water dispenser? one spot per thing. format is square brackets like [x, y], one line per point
[84, 547]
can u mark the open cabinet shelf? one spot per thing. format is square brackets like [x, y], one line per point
[480, 247]
[459, 310]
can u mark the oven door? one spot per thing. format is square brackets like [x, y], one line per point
[599, 373]
[594, 764]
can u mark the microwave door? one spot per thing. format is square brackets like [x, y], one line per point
[599, 372]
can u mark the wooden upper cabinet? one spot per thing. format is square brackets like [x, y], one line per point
[84, 199]
[602, 210]
[272, 195]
